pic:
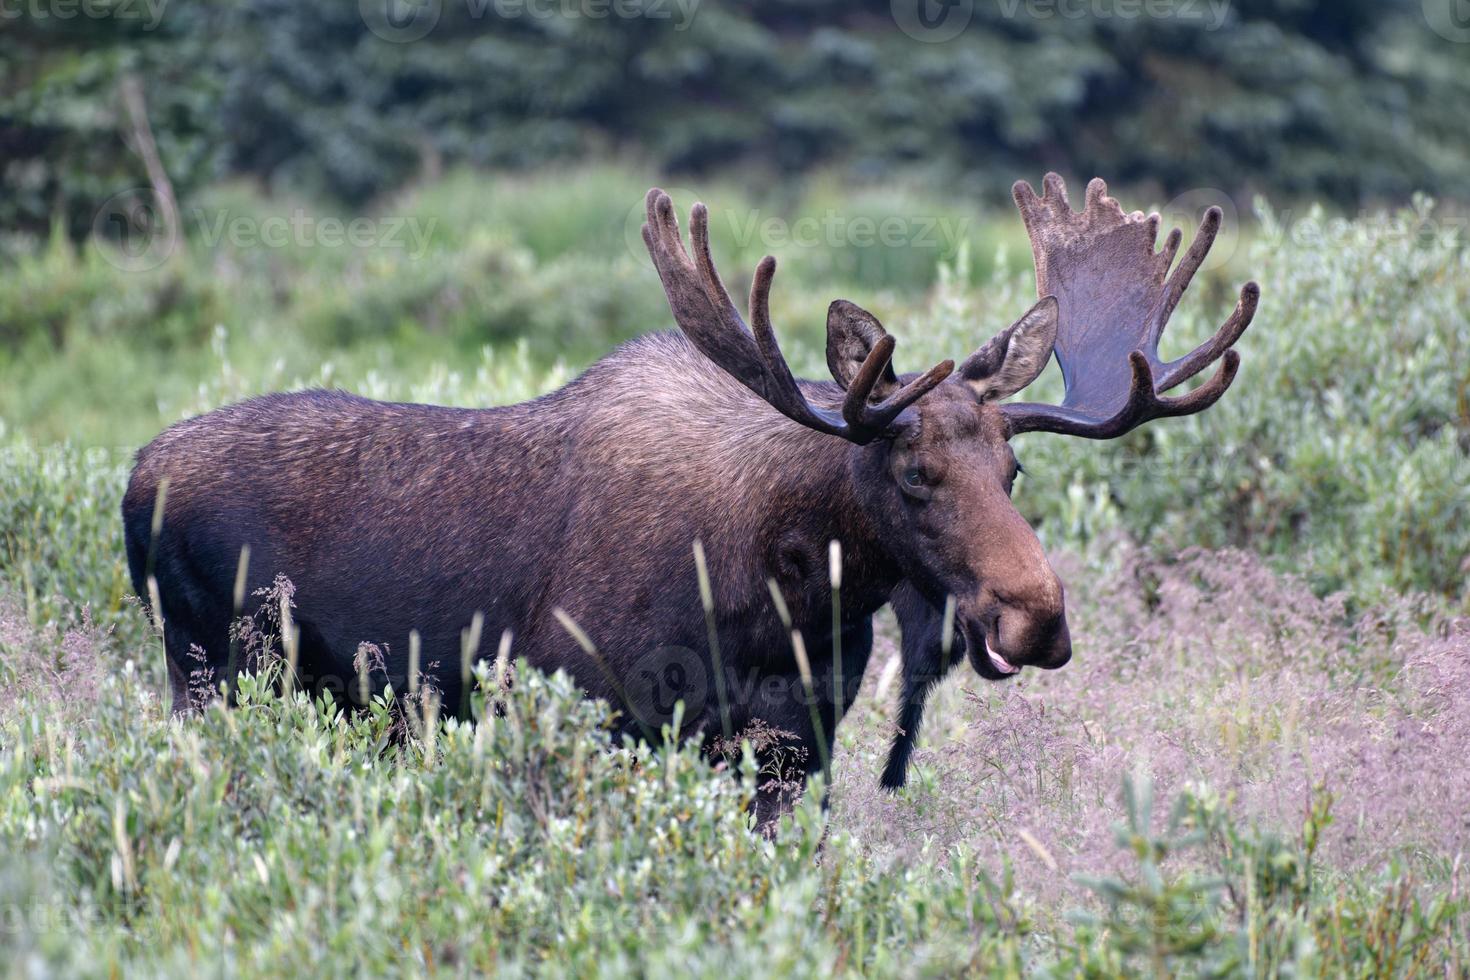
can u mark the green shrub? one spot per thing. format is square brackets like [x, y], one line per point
[1254, 905]
[282, 836]
[285, 837]
[60, 529]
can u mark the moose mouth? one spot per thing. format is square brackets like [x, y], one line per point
[998, 662]
[987, 661]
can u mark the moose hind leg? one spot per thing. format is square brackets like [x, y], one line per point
[196, 667]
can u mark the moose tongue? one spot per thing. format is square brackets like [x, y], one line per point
[998, 662]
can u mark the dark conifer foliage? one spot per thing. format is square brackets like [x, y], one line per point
[1294, 97]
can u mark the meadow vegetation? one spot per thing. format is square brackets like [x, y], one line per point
[1254, 765]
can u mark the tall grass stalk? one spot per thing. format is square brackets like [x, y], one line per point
[707, 601]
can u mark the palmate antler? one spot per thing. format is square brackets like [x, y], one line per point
[703, 310]
[1115, 296]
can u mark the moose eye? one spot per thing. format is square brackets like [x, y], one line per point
[1015, 472]
[915, 483]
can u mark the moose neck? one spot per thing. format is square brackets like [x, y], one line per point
[765, 494]
[816, 500]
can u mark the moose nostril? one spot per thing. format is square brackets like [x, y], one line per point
[1034, 639]
[1058, 650]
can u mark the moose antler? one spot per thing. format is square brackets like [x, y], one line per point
[704, 312]
[1115, 295]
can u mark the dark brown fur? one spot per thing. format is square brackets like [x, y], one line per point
[391, 517]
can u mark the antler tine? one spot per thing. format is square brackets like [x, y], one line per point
[784, 393]
[699, 238]
[855, 408]
[760, 316]
[1053, 187]
[661, 229]
[1147, 404]
[1178, 282]
[1183, 368]
[881, 416]
[861, 421]
[698, 300]
[708, 317]
[1171, 246]
[1144, 404]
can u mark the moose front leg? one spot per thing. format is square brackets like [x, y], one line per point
[924, 664]
[802, 730]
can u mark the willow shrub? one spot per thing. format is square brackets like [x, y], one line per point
[284, 838]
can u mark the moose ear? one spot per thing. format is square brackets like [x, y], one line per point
[852, 333]
[1014, 357]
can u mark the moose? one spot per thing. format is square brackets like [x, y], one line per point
[567, 523]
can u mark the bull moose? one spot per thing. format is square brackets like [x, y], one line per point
[577, 511]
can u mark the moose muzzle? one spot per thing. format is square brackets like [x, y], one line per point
[1026, 633]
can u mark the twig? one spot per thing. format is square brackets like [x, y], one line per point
[147, 148]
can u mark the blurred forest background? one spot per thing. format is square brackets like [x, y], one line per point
[1352, 101]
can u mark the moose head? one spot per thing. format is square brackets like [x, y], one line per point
[931, 459]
